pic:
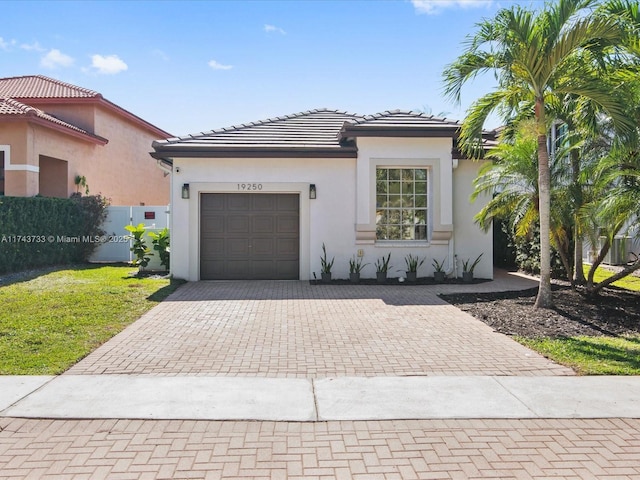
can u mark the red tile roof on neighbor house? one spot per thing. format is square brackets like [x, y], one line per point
[12, 109]
[39, 86]
[38, 91]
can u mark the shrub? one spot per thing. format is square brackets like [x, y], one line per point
[528, 255]
[39, 231]
[161, 243]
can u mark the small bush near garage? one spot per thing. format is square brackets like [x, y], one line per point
[41, 231]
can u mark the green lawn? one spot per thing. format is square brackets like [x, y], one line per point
[591, 355]
[629, 282]
[51, 321]
[595, 355]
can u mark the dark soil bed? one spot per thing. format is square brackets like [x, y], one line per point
[613, 313]
[396, 281]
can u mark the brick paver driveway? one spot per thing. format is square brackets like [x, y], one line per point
[294, 329]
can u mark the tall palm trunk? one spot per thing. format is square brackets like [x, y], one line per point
[545, 298]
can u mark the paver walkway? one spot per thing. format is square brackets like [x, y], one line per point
[293, 329]
[401, 450]
[290, 329]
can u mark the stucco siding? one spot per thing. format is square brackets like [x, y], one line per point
[345, 206]
[329, 218]
[82, 116]
[121, 170]
[125, 171]
[470, 240]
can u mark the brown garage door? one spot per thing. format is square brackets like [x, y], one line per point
[249, 236]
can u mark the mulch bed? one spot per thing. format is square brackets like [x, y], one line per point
[396, 281]
[614, 312]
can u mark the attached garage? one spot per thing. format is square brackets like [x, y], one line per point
[249, 236]
[259, 200]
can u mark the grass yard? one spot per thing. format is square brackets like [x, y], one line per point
[591, 355]
[630, 282]
[49, 322]
[602, 355]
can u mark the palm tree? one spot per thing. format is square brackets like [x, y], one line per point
[533, 56]
[511, 182]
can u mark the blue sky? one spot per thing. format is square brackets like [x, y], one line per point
[194, 66]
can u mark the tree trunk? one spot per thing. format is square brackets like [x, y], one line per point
[545, 297]
[628, 270]
[565, 257]
[578, 273]
[596, 263]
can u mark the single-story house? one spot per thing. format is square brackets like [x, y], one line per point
[258, 201]
[52, 132]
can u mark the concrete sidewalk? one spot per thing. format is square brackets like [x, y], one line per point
[283, 380]
[309, 400]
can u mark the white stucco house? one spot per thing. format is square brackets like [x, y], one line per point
[257, 201]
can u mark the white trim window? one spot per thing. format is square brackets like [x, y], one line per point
[401, 204]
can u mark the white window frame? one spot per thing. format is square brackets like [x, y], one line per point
[428, 208]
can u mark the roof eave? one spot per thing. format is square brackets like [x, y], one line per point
[169, 152]
[404, 132]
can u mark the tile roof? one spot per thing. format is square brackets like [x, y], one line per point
[311, 128]
[40, 90]
[401, 118]
[39, 86]
[400, 123]
[311, 133]
[10, 108]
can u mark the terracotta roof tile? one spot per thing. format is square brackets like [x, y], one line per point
[39, 86]
[13, 108]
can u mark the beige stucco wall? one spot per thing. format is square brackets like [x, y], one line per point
[470, 240]
[124, 170]
[54, 177]
[330, 218]
[121, 170]
[80, 116]
[344, 207]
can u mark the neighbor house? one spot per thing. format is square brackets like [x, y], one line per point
[258, 201]
[53, 132]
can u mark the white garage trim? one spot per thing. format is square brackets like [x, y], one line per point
[195, 189]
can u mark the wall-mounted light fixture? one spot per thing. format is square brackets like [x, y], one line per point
[312, 191]
[185, 190]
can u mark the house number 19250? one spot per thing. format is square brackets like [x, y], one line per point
[249, 186]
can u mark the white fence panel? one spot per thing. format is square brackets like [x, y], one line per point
[116, 248]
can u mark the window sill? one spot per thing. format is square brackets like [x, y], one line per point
[402, 243]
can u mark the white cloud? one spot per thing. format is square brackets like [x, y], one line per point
[218, 66]
[6, 45]
[273, 29]
[55, 58]
[108, 65]
[160, 54]
[35, 46]
[433, 7]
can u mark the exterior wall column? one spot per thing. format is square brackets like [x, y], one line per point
[21, 178]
